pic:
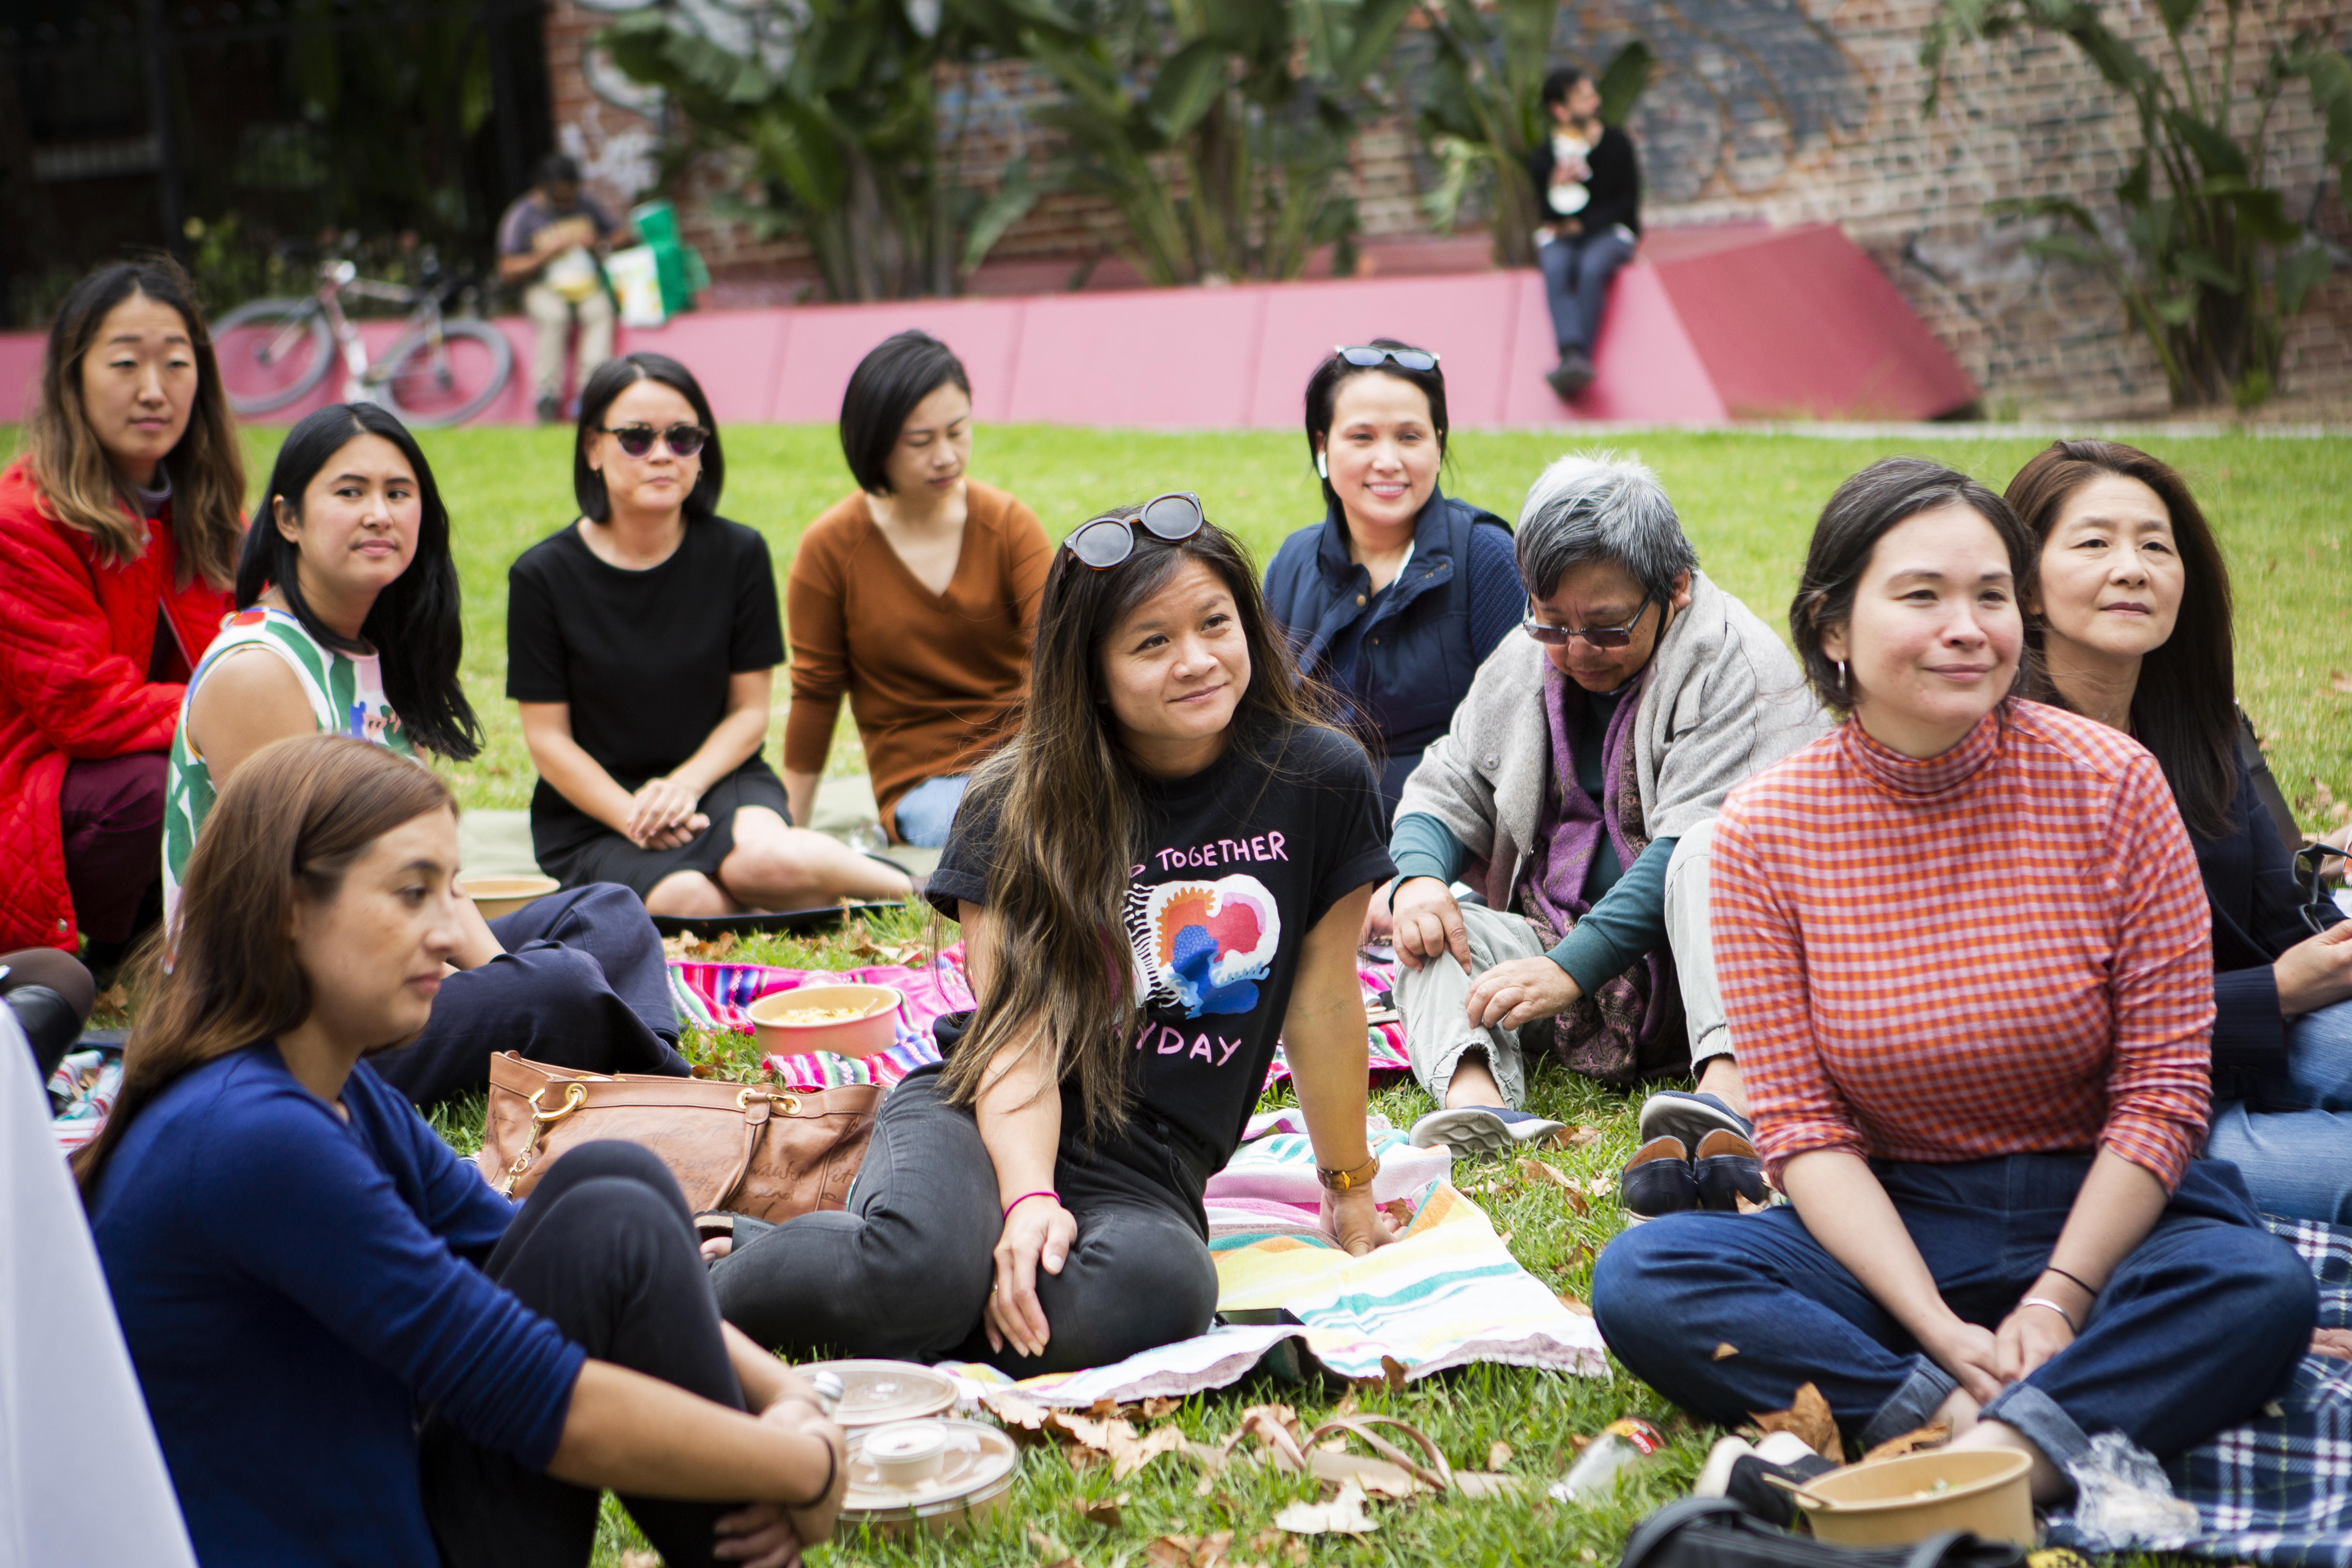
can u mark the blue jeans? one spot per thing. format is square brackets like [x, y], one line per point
[2194, 1330]
[925, 813]
[2297, 1161]
[1576, 270]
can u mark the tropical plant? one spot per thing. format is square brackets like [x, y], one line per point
[1221, 129]
[1482, 111]
[2209, 263]
[837, 102]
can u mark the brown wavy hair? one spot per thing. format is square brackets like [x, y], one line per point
[70, 466]
[2185, 707]
[1068, 809]
[286, 827]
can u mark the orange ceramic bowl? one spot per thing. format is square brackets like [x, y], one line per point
[496, 895]
[872, 1028]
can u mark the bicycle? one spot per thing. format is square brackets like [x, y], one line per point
[438, 370]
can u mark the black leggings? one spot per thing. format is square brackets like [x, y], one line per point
[606, 1247]
[905, 1271]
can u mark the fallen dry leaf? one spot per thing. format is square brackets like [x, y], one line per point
[1276, 1426]
[1505, 1239]
[114, 999]
[1918, 1440]
[1574, 1137]
[1347, 1406]
[1573, 1305]
[1129, 1455]
[1809, 1417]
[1724, 1351]
[1088, 1432]
[1213, 1549]
[1498, 1455]
[1101, 1511]
[1295, 1551]
[1345, 1514]
[1266, 1540]
[1056, 1554]
[1153, 1409]
[2339, 681]
[1020, 1415]
[1394, 1369]
[1172, 1551]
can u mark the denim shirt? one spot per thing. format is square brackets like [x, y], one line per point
[1402, 658]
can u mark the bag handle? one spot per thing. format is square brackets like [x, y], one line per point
[1661, 1526]
[756, 1105]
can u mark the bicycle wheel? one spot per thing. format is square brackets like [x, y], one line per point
[450, 381]
[271, 351]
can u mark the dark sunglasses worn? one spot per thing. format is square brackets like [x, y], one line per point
[1599, 636]
[2320, 910]
[637, 440]
[1104, 542]
[1371, 358]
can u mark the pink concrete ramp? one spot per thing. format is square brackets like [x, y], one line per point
[1705, 327]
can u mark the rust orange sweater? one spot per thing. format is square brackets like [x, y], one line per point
[932, 679]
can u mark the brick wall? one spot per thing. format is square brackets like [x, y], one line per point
[1787, 110]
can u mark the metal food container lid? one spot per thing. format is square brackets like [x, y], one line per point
[875, 1391]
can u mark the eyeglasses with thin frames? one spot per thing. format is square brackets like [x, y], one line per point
[1551, 636]
[637, 440]
[1103, 542]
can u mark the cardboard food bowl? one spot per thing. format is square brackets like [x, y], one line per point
[1896, 1503]
[874, 1028]
[496, 895]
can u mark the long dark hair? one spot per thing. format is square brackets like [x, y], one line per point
[413, 625]
[287, 825]
[70, 465]
[1070, 820]
[1863, 510]
[610, 379]
[2184, 708]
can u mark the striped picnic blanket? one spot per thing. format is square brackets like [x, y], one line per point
[1448, 1294]
[719, 997]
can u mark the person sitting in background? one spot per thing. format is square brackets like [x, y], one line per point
[548, 241]
[1397, 596]
[1589, 200]
[2133, 623]
[347, 582]
[1036, 1202]
[642, 643]
[1962, 946]
[917, 595]
[1578, 778]
[303, 1270]
[119, 532]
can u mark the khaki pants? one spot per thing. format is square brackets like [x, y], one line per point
[1432, 998]
[551, 316]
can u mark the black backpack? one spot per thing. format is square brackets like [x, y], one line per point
[1715, 1532]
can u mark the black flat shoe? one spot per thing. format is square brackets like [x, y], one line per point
[1658, 1180]
[1727, 1170]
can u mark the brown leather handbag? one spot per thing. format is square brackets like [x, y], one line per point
[772, 1154]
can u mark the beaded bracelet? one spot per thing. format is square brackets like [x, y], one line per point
[1040, 1193]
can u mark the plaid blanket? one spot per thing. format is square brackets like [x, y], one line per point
[2278, 1490]
[719, 997]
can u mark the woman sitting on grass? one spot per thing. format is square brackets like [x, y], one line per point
[915, 594]
[348, 583]
[1962, 946]
[642, 645]
[1164, 872]
[301, 1268]
[2135, 632]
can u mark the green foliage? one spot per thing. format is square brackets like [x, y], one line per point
[1484, 113]
[2210, 265]
[837, 102]
[1220, 128]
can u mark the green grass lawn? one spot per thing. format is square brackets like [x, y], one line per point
[1748, 501]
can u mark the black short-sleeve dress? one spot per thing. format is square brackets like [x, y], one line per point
[643, 660]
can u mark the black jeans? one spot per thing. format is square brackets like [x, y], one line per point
[582, 983]
[906, 1270]
[606, 1247]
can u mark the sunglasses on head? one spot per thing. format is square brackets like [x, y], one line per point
[1371, 358]
[637, 440]
[1103, 542]
[1551, 636]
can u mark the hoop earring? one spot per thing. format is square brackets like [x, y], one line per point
[1322, 466]
[1841, 685]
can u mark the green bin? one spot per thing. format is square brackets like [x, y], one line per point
[680, 264]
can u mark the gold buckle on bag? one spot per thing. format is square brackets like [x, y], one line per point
[575, 1095]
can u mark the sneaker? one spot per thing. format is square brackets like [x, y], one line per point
[1471, 1131]
[1725, 1170]
[551, 412]
[1571, 376]
[1658, 1180]
[1680, 1113]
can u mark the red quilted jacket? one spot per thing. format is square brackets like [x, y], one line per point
[76, 634]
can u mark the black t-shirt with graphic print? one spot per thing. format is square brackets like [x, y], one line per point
[1240, 861]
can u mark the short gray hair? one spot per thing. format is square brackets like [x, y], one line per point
[1597, 506]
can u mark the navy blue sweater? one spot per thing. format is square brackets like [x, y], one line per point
[294, 1288]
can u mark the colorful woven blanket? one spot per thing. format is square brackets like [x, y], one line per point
[719, 997]
[1449, 1293]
